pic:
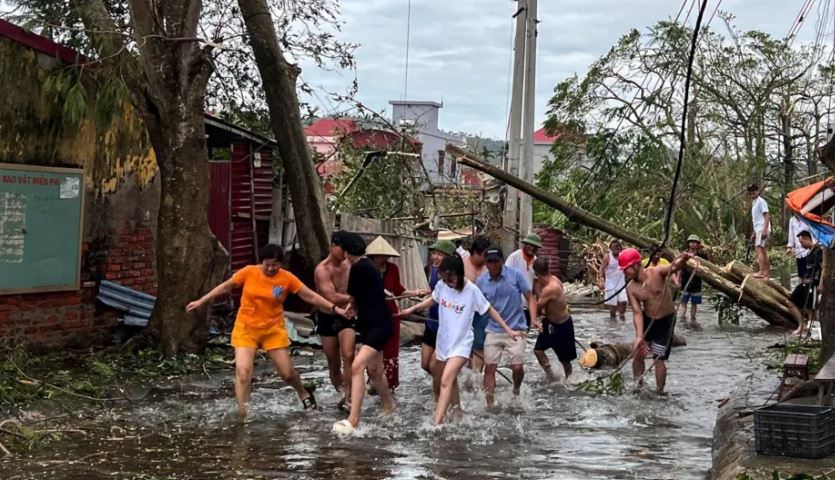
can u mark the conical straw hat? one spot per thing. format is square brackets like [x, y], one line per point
[381, 247]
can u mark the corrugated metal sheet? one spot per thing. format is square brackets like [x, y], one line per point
[136, 305]
[251, 200]
[553, 248]
[220, 182]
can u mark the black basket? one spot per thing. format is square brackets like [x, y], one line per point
[805, 431]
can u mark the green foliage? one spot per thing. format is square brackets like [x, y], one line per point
[777, 475]
[620, 126]
[728, 310]
[611, 384]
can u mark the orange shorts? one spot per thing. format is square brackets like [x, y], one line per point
[268, 338]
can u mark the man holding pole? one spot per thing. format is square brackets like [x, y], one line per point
[653, 311]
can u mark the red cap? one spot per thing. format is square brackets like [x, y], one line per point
[629, 257]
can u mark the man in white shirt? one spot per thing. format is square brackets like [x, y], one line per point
[761, 220]
[522, 260]
[794, 247]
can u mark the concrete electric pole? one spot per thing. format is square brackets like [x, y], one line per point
[511, 212]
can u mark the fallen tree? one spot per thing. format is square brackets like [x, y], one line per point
[764, 298]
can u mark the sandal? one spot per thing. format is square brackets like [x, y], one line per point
[309, 402]
[343, 427]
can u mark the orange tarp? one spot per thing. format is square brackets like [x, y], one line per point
[797, 199]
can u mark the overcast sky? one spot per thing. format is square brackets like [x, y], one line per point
[460, 49]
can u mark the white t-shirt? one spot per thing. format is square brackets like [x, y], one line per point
[758, 210]
[796, 226]
[455, 318]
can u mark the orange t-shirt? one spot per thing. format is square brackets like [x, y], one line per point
[262, 303]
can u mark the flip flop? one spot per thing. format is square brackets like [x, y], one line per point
[309, 402]
[343, 427]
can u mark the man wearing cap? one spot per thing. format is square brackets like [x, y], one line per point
[337, 333]
[690, 283]
[610, 279]
[761, 220]
[505, 288]
[653, 311]
[523, 258]
[437, 253]
[795, 247]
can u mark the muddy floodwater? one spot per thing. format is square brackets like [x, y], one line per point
[550, 431]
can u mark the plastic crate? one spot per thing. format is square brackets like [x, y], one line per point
[805, 431]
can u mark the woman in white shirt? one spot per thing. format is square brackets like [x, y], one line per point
[458, 299]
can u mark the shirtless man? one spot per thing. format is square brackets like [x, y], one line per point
[653, 311]
[556, 328]
[337, 333]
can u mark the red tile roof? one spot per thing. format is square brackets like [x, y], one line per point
[540, 136]
[329, 127]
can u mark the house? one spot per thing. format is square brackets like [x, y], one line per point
[110, 189]
[327, 136]
[421, 119]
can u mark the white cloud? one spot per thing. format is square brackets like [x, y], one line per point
[460, 49]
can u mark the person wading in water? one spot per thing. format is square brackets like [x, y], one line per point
[610, 280]
[459, 299]
[337, 333]
[653, 311]
[260, 321]
[556, 328]
[365, 286]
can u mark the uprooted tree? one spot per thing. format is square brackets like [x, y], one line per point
[764, 297]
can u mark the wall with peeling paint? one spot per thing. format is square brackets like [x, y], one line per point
[121, 188]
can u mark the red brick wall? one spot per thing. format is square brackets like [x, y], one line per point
[54, 318]
[72, 318]
[130, 259]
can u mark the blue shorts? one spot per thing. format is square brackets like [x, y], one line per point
[479, 332]
[694, 298]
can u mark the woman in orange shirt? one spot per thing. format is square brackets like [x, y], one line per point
[260, 321]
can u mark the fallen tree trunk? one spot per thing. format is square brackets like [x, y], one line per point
[757, 295]
[613, 355]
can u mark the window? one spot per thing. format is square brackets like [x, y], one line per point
[453, 168]
[441, 162]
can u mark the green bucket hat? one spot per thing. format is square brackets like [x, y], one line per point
[444, 246]
[694, 238]
[533, 239]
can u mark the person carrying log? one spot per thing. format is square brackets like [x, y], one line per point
[610, 279]
[653, 311]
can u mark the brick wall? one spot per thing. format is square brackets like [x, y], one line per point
[52, 318]
[130, 259]
[57, 319]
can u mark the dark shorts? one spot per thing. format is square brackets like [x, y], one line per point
[328, 325]
[479, 332]
[804, 296]
[801, 267]
[430, 334]
[375, 337]
[658, 335]
[691, 297]
[560, 338]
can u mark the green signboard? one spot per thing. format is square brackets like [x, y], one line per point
[40, 228]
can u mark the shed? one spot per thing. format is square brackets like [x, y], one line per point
[241, 194]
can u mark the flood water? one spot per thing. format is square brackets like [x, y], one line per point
[550, 431]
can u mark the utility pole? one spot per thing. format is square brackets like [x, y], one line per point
[510, 219]
[529, 126]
